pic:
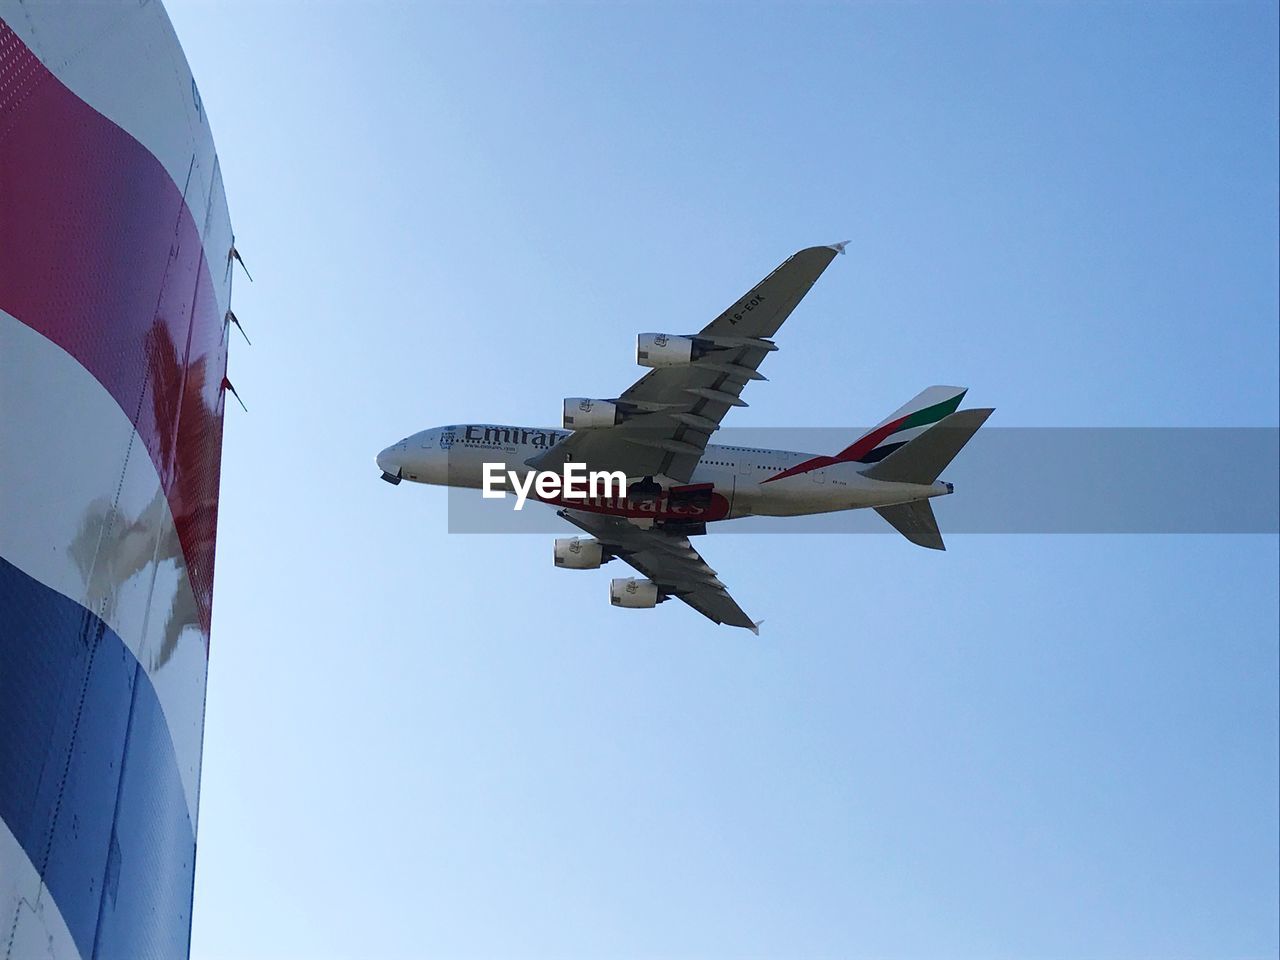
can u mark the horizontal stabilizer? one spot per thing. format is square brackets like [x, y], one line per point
[921, 460]
[916, 522]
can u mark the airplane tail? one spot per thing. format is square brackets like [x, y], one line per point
[920, 461]
[916, 522]
[903, 425]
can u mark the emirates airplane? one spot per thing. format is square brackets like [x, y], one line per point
[656, 480]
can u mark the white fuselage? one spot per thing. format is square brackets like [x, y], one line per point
[455, 456]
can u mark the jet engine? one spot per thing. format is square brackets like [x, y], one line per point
[669, 350]
[633, 592]
[582, 412]
[579, 553]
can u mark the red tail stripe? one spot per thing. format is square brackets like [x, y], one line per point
[861, 448]
[853, 452]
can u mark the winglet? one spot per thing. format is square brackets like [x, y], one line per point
[755, 627]
[838, 247]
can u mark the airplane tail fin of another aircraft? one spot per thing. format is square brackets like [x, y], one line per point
[903, 425]
[922, 459]
[916, 522]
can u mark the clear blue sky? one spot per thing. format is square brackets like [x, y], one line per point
[420, 744]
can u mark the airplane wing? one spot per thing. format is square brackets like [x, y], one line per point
[668, 560]
[674, 410]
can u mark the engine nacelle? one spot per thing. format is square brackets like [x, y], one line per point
[665, 350]
[632, 592]
[582, 412]
[579, 553]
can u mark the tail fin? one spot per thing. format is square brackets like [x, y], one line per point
[898, 429]
[922, 459]
[916, 522]
[903, 425]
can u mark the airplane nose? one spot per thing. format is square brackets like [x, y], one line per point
[389, 464]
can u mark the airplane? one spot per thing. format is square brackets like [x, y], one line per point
[657, 433]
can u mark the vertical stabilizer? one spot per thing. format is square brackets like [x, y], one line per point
[903, 425]
[113, 298]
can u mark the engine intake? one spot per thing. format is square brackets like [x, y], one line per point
[579, 553]
[633, 592]
[580, 412]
